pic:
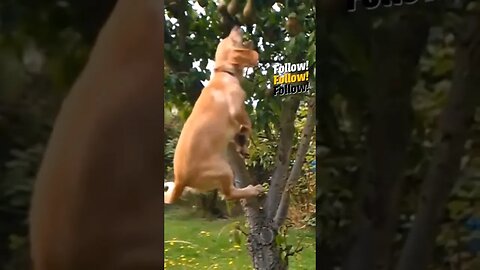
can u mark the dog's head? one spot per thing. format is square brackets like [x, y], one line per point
[232, 51]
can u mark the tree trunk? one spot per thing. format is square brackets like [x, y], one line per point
[396, 48]
[260, 213]
[454, 125]
[261, 238]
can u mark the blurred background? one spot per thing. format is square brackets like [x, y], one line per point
[398, 136]
[43, 47]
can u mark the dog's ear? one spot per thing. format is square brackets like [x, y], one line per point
[244, 57]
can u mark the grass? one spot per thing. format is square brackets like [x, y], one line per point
[196, 243]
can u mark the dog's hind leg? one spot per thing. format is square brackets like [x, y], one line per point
[233, 193]
[222, 174]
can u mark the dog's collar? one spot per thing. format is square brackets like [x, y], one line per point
[229, 70]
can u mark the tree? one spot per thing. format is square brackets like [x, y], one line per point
[266, 219]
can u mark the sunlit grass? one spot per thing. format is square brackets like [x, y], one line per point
[194, 243]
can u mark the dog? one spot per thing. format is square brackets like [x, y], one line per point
[218, 119]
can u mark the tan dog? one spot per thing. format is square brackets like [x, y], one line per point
[217, 119]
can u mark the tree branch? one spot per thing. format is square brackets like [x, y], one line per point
[279, 177]
[296, 171]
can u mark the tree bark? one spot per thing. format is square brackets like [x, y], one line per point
[396, 48]
[454, 124]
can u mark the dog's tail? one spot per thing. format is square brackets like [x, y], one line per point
[172, 192]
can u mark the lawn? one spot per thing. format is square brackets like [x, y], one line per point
[196, 243]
